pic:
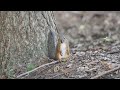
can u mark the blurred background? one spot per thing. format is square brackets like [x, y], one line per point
[87, 26]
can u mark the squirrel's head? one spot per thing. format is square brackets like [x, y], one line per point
[62, 39]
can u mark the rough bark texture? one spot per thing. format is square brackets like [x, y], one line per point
[23, 38]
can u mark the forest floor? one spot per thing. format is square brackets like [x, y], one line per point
[94, 38]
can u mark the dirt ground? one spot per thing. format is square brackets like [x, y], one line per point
[94, 38]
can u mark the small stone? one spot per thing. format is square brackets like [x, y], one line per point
[86, 68]
[77, 53]
[111, 75]
[66, 74]
[96, 52]
[82, 53]
[79, 45]
[69, 66]
[117, 72]
[82, 68]
[82, 27]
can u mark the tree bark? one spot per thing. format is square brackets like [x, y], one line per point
[23, 38]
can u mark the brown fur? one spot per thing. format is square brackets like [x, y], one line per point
[58, 51]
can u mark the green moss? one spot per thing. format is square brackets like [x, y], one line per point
[30, 67]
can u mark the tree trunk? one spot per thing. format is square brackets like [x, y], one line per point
[23, 39]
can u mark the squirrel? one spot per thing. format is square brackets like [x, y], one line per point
[58, 45]
[62, 48]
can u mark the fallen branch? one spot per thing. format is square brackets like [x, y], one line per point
[105, 73]
[54, 62]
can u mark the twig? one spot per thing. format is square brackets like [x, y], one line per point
[54, 62]
[113, 52]
[104, 73]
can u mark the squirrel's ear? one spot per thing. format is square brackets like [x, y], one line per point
[61, 41]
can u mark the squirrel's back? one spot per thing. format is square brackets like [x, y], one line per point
[52, 43]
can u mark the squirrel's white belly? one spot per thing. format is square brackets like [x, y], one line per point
[63, 49]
